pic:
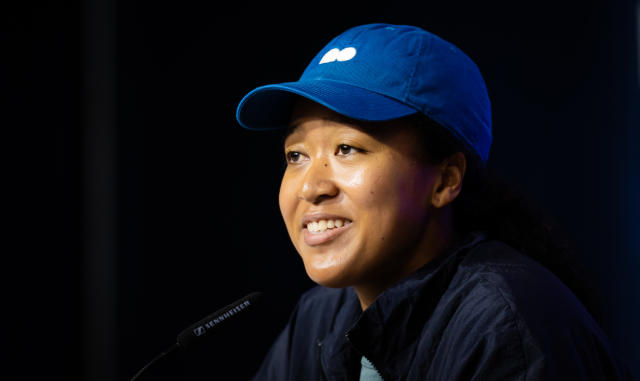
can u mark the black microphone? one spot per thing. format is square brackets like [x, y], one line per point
[197, 331]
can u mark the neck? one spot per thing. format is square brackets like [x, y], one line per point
[437, 238]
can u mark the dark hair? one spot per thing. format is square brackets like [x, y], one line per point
[490, 203]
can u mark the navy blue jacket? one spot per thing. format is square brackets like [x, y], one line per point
[481, 311]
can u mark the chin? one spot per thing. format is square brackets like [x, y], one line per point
[328, 278]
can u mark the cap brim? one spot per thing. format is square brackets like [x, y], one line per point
[269, 107]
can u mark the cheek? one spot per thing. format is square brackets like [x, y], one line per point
[372, 193]
[359, 183]
[389, 191]
[415, 194]
[372, 186]
[287, 200]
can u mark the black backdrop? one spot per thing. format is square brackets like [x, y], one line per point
[146, 206]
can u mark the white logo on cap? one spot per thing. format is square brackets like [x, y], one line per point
[336, 54]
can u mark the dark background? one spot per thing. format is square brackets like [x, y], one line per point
[146, 207]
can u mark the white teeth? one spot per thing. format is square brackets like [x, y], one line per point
[322, 225]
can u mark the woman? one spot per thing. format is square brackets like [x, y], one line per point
[385, 199]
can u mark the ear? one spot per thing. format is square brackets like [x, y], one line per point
[449, 182]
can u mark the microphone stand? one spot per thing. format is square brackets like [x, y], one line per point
[166, 352]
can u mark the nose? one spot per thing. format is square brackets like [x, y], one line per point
[318, 184]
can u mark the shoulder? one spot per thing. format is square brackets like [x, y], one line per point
[511, 279]
[507, 302]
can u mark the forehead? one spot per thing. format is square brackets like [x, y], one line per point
[305, 111]
[399, 135]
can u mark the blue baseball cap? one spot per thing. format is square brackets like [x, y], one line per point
[379, 72]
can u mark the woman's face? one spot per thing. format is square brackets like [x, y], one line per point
[356, 200]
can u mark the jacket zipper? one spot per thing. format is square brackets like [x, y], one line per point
[319, 355]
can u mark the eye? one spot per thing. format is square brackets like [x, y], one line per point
[346, 149]
[293, 156]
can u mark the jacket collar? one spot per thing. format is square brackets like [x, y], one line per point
[374, 333]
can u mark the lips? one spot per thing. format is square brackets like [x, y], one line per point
[314, 236]
[315, 239]
[321, 216]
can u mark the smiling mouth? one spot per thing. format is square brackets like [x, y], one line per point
[316, 227]
[319, 234]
